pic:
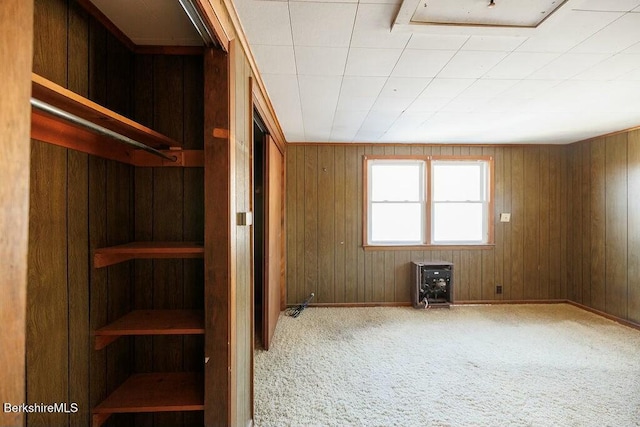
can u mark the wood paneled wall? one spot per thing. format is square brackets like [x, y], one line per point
[604, 226]
[324, 229]
[16, 17]
[81, 202]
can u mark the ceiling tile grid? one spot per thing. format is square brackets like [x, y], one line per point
[337, 72]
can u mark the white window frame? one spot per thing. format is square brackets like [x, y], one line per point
[484, 199]
[427, 209]
[398, 161]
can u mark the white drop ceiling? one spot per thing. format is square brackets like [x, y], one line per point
[335, 72]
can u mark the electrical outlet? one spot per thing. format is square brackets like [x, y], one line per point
[498, 289]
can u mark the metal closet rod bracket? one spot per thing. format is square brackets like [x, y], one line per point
[55, 111]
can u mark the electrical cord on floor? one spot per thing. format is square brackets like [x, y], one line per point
[297, 310]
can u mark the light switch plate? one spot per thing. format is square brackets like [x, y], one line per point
[505, 217]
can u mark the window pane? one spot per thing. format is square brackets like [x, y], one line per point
[396, 182]
[458, 222]
[457, 182]
[396, 222]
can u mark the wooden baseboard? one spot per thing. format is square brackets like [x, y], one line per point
[357, 304]
[624, 322]
[502, 302]
[616, 319]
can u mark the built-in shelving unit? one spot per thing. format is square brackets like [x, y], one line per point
[60, 116]
[151, 322]
[104, 257]
[154, 392]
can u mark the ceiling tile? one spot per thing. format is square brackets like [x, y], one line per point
[471, 64]
[394, 104]
[487, 88]
[266, 22]
[421, 63]
[373, 27]
[525, 89]
[404, 128]
[322, 24]
[404, 87]
[616, 37]
[612, 68]
[344, 119]
[568, 65]
[446, 88]
[396, 2]
[519, 65]
[365, 135]
[609, 6]
[564, 31]
[319, 93]
[379, 121]
[497, 43]
[371, 62]
[356, 103]
[427, 104]
[362, 86]
[327, 61]
[284, 95]
[275, 59]
[436, 41]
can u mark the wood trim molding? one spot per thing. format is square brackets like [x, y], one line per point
[16, 53]
[624, 322]
[261, 104]
[226, 6]
[218, 291]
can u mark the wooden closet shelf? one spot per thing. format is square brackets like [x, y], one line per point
[154, 392]
[151, 322]
[54, 130]
[104, 257]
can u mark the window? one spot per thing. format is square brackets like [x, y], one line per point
[422, 201]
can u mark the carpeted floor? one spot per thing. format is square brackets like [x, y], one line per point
[500, 365]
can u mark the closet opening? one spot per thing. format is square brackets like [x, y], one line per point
[259, 230]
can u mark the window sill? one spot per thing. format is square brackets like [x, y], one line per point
[484, 246]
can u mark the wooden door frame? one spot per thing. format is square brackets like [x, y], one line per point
[16, 41]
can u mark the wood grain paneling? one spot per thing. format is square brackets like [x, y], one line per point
[633, 208]
[16, 29]
[515, 262]
[603, 260]
[616, 225]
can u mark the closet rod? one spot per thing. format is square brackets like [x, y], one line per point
[47, 108]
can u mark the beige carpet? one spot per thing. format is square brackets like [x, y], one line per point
[508, 365]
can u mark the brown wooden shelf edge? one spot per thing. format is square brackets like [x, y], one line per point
[104, 257]
[61, 132]
[153, 392]
[151, 322]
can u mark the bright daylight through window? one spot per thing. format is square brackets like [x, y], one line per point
[428, 201]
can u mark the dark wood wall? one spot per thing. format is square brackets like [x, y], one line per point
[81, 202]
[324, 229]
[604, 226]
